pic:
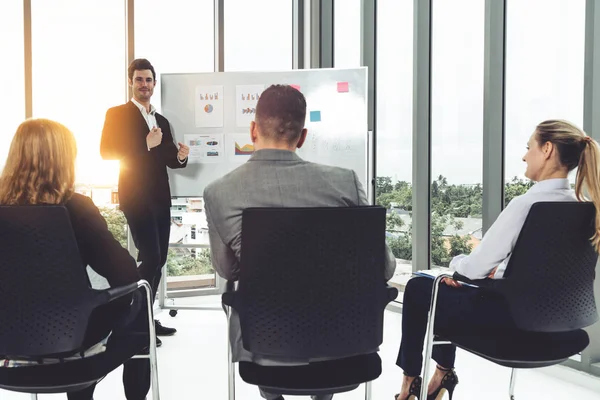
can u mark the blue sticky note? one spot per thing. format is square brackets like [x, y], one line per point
[315, 116]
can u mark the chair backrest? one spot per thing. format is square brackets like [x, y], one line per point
[549, 280]
[45, 294]
[312, 281]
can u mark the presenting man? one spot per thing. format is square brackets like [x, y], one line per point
[274, 176]
[140, 138]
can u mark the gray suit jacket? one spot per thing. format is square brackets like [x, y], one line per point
[272, 178]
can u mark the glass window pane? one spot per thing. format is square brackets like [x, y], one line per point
[12, 101]
[545, 54]
[394, 126]
[78, 73]
[258, 35]
[184, 42]
[457, 127]
[346, 35]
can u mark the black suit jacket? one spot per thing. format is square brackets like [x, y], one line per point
[143, 179]
[105, 255]
[97, 246]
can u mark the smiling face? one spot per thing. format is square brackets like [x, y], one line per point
[142, 84]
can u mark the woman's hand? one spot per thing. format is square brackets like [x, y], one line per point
[491, 274]
[451, 282]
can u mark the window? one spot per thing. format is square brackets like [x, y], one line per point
[258, 35]
[545, 54]
[394, 126]
[12, 101]
[457, 127]
[78, 73]
[346, 33]
[181, 40]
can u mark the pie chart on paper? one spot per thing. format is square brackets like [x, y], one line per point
[208, 108]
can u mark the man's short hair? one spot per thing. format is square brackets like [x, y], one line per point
[281, 113]
[140, 64]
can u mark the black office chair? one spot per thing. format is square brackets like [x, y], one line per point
[311, 286]
[47, 302]
[548, 288]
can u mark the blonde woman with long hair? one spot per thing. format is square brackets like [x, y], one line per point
[40, 170]
[554, 149]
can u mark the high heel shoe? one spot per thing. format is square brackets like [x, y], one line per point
[449, 382]
[414, 391]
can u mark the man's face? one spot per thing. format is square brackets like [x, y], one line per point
[142, 85]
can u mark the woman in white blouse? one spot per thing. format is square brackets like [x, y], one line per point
[554, 149]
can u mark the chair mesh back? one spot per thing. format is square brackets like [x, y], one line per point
[42, 282]
[312, 281]
[549, 279]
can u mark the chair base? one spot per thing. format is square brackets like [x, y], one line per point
[521, 349]
[72, 375]
[325, 377]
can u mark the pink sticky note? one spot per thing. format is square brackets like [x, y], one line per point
[342, 87]
[297, 87]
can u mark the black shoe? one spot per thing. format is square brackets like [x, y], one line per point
[449, 382]
[163, 330]
[414, 391]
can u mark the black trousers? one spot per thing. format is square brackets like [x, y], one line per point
[136, 373]
[459, 310]
[150, 228]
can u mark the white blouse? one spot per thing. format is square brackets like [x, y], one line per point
[499, 241]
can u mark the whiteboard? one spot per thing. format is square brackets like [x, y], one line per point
[212, 112]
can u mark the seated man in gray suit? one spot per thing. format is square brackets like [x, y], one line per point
[274, 176]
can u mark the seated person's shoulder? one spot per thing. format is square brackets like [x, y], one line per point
[335, 173]
[79, 201]
[81, 208]
[223, 184]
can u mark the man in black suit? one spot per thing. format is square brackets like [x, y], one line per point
[141, 139]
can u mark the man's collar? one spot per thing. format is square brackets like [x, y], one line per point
[141, 107]
[274, 155]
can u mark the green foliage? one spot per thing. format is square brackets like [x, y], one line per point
[459, 245]
[447, 203]
[393, 222]
[117, 224]
[184, 262]
[401, 246]
[515, 188]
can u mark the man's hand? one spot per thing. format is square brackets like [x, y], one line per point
[491, 274]
[183, 151]
[154, 137]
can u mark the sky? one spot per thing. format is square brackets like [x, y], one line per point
[79, 57]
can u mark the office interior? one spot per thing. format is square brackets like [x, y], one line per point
[455, 89]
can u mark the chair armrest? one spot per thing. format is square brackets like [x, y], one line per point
[120, 291]
[486, 283]
[392, 293]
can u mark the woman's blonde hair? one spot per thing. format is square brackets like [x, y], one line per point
[576, 149]
[40, 167]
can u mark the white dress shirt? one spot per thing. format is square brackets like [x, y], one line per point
[499, 241]
[150, 118]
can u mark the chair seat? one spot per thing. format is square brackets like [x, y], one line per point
[333, 376]
[520, 349]
[72, 375]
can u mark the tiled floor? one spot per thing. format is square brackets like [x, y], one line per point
[193, 365]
